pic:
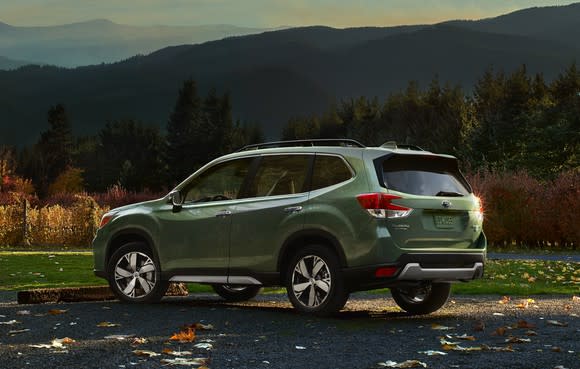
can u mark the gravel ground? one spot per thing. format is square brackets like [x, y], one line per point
[267, 333]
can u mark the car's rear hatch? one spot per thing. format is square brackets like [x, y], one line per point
[445, 213]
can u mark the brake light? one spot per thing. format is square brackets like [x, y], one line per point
[105, 219]
[480, 210]
[379, 205]
[386, 272]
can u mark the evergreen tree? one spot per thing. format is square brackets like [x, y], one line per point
[52, 154]
[185, 138]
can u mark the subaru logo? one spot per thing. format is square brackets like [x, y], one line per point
[446, 204]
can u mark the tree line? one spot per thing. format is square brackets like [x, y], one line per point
[128, 152]
[508, 122]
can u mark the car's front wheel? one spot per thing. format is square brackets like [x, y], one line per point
[314, 282]
[236, 293]
[422, 299]
[134, 274]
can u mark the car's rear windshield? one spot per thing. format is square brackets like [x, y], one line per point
[424, 175]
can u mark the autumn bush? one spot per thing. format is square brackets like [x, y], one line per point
[519, 210]
[524, 211]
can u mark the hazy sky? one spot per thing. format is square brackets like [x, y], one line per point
[258, 13]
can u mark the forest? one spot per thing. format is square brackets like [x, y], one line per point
[515, 134]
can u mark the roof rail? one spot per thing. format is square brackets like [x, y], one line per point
[393, 146]
[304, 143]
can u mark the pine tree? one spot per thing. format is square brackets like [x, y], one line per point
[54, 149]
[184, 137]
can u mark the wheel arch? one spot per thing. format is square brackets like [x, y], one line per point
[129, 235]
[308, 237]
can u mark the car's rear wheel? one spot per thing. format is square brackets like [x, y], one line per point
[314, 281]
[134, 274]
[422, 299]
[236, 293]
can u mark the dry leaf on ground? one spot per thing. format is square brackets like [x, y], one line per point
[10, 322]
[557, 323]
[184, 336]
[432, 353]
[119, 337]
[184, 361]
[56, 311]
[107, 325]
[56, 343]
[169, 351]
[146, 353]
[504, 300]
[523, 324]
[440, 327]
[404, 364]
[514, 339]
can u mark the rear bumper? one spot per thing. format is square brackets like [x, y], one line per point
[415, 272]
[415, 268]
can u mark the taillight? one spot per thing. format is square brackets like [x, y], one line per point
[379, 205]
[105, 219]
[480, 210]
[386, 272]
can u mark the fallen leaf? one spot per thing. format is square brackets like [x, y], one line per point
[531, 333]
[56, 311]
[497, 349]
[514, 339]
[203, 346]
[119, 337]
[557, 323]
[18, 331]
[300, 348]
[107, 325]
[404, 364]
[576, 298]
[146, 353]
[440, 327]
[199, 326]
[56, 343]
[184, 361]
[184, 336]
[10, 322]
[504, 300]
[139, 341]
[432, 353]
[465, 337]
[556, 349]
[169, 351]
[23, 312]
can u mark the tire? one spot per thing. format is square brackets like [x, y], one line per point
[422, 300]
[134, 274]
[314, 281]
[236, 293]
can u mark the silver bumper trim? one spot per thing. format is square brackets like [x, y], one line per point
[414, 272]
[215, 279]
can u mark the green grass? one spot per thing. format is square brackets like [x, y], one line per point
[26, 270]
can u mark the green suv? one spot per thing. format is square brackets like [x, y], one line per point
[322, 218]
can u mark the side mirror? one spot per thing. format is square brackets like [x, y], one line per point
[177, 200]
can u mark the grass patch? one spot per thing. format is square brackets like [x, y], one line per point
[524, 277]
[26, 270]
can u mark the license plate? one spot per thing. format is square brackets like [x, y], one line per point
[444, 221]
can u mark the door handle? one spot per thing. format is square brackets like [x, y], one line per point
[293, 209]
[223, 213]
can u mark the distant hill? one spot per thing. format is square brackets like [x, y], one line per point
[556, 23]
[102, 41]
[273, 76]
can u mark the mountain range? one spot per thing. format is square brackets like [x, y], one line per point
[275, 75]
[102, 41]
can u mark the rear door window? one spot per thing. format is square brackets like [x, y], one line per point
[280, 175]
[424, 175]
[328, 171]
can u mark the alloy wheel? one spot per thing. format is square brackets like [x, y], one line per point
[311, 281]
[135, 274]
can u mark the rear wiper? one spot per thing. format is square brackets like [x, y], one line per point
[449, 194]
